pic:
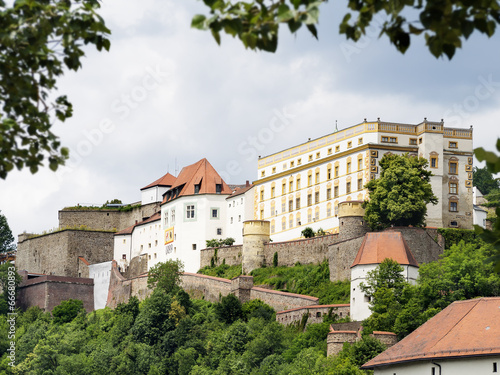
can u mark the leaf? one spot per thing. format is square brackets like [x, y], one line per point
[198, 22]
[313, 30]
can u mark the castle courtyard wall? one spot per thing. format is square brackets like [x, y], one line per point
[58, 253]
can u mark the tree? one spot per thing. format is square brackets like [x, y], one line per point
[307, 232]
[67, 310]
[229, 309]
[40, 39]
[444, 24]
[399, 197]
[6, 238]
[491, 236]
[484, 181]
[166, 276]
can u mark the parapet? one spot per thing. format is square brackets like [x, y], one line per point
[351, 208]
[256, 227]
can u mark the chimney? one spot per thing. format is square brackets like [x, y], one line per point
[247, 184]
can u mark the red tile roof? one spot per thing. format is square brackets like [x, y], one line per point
[240, 190]
[167, 180]
[464, 328]
[129, 230]
[201, 173]
[378, 246]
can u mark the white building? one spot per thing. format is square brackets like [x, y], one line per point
[376, 247]
[239, 209]
[153, 193]
[480, 215]
[303, 185]
[462, 339]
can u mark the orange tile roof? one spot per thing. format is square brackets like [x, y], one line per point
[167, 180]
[464, 328]
[200, 172]
[240, 190]
[129, 230]
[381, 245]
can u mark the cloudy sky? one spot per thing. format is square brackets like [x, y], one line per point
[166, 96]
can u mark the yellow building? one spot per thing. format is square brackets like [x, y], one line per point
[303, 185]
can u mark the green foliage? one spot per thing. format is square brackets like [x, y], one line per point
[307, 232]
[229, 309]
[224, 271]
[6, 238]
[484, 180]
[42, 40]
[442, 24]
[362, 351]
[6, 277]
[452, 236]
[399, 197]
[275, 259]
[166, 276]
[491, 236]
[218, 243]
[493, 198]
[255, 308]
[67, 311]
[321, 232]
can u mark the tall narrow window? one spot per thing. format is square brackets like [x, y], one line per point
[290, 205]
[197, 189]
[360, 184]
[329, 173]
[309, 180]
[272, 191]
[298, 183]
[316, 197]
[349, 167]
[336, 171]
[317, 177]
[283, 189]
[453, 206]
[348, 187]
[360, 164]
[453, 188]
[329, 193]
[453, 167]
[297, 203]
[262, 195]
[434, 162]
[309, 199]
[336, 191]
[218, 188]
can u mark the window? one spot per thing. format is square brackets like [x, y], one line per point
[336, 210]
[272, 226]
[453, 167]
[309, 199]
[239, 218]
[261, 214]
[190, 212]
[299, 161]
[337, 148]
[124, 256]
[453, 206]
[336, 191]
[349, 144]
[360, 184]
[454, 224]
[336, 171]
[348, 187]
[453, 188]
[420, 141]
[330, 151]
[434, 162]
[283, 189]
[393, 140]
[329, 210]
[215, 213]
[360, 164]
[219, 231]
[329, 193]
[172, 215]
[272, 191]
[290, 205]
[262, 174]
[297, 203]
[413, 141]
[453, 145]
[329, 173]
[298, 183]
[310, 157]
[194, 246]
[309, 216]
[316, 197]
[385, 139]
[274, 170]
[360, 141]
[318, 155]
[231, 219]
[290, 222]
[283, 224]
[349, 167]
[197, 189]
[316, 214]
[156, 242]
[433, 371]
[283, 207]
[262, 195]
[317, 177]
[218, 188]
[291, 186]
[495, 367]
[292, 164]
[309, 180]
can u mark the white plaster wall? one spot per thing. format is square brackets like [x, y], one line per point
[463, 366]
[122, 245]
[100, 272]
[146, 239]
[480, 218]
[240, 209]
[153, 194]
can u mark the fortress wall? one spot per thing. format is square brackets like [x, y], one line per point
[205, 287]
[340, 257]
[106, 219]
[47, 292]
[425, 244]
[281, 300]
[57, 253]
[315, 313]
[232, 255]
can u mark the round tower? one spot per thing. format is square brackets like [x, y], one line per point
[351, 220]
[255, 234]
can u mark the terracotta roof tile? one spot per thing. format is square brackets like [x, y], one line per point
[464, 328]
[240, 190]
[166, 180]
[378, 246]
[194, 174]
[129, 230]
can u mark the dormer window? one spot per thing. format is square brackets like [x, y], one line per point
[218, 188]
[197, 189]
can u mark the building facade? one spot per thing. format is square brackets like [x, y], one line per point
[303, 185]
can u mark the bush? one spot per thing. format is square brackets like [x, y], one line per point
[67, 311]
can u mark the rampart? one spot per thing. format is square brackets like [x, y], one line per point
[58, 253]
[336, 339]
[304, 251]
[106, 219]
[315, 313]
[49, 291]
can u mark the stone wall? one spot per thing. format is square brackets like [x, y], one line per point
[315, 313]
[336, 339]
[121, 289]
[47, 292]
[304, 251]
[425, 244]
[106, 219]
[340, 257]
[280, 301]
[58, 253]
[205, 287]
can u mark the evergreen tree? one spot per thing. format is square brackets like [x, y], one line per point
[400, 195]
[6, 237]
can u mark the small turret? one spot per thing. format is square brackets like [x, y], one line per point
[255, 234]
[351, 220]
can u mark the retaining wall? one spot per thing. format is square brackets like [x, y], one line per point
[315, 313]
